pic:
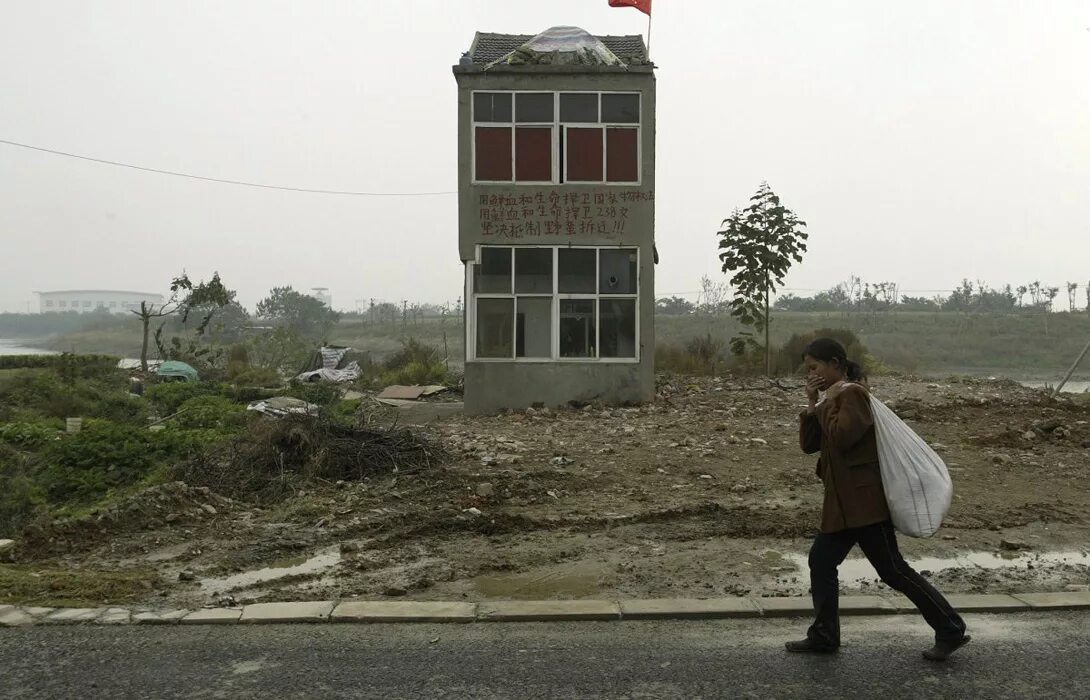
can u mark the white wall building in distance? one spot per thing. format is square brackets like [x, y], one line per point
[322, 294]
[91, 300]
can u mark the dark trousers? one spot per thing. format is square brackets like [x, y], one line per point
[879, 544]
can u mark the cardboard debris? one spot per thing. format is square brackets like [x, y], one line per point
[405, 393]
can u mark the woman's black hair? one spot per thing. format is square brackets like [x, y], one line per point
[827, 350]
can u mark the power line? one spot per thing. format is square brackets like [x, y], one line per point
[223, 180]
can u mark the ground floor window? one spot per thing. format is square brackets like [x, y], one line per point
[554, 303]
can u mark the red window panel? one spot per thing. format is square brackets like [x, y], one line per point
[622, 155]
[533, 154]
[493, 153]
[584, 155]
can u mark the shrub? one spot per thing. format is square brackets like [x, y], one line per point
[344, 412]
[417, 373]
[788, 359]
[210, 412]
[700, 355]
[252, 376]
[413, 352]
[318, 393]
[246, 394]
[21, 498]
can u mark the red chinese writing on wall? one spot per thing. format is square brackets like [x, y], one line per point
[538, 214]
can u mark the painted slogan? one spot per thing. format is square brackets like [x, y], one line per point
[609, 213]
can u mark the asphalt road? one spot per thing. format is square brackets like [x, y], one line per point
[1012, 656]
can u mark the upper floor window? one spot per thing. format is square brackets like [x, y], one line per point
[556, 137]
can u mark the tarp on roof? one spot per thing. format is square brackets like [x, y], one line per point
[490, 46]
[562, 46]
[174, 368]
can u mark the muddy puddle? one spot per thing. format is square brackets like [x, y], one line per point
[317, 564]
[857, 570]
[582, 580]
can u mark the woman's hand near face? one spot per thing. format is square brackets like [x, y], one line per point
[813, 386]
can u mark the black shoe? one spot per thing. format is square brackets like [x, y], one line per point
[809, 646]
[944, 648]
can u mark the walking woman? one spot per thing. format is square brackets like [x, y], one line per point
[841, 427]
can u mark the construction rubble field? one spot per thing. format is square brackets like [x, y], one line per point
[702, 493]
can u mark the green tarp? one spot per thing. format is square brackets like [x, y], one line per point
[173, 368]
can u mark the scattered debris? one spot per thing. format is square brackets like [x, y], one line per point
[282, 406]
[330, 364]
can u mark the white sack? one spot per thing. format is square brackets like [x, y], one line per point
[915, 479]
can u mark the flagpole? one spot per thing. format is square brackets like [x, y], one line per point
[648, 36]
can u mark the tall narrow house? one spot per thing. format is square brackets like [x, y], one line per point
[556, 187]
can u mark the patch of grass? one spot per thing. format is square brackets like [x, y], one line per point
[52, 586]
[305, 509]
[920, 341]
[44, 394]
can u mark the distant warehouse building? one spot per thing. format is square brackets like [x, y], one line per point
[91, 300]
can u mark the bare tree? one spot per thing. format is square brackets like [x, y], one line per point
[185, 297]
[713, 295]
[1072, 292]
[1036, 293]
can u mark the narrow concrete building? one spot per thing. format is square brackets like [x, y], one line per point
[556, 222]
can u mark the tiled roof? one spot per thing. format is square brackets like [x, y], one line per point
[488, 47]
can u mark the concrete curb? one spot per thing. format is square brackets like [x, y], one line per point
[547, 610]
[528, 610]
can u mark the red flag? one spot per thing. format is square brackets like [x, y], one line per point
[643, 6]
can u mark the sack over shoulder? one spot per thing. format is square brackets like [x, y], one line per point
[916, 481]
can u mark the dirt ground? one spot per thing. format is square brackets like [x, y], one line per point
[702, 493]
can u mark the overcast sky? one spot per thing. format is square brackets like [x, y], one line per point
[923, 141]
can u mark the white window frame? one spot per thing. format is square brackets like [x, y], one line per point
[559, 133]
[557, 297]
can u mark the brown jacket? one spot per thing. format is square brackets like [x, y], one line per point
[843, 431]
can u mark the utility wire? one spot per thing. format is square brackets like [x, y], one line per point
[225, 181]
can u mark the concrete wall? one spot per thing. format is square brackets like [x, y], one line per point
[503, 385]
[595, 210]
